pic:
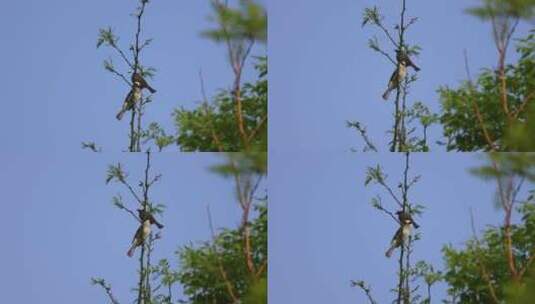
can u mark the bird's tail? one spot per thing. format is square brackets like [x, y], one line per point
[415, 67]
[389, 252]
[160, 226]
[130, 252]
[120, 114]
[151, 89]
[387, 93]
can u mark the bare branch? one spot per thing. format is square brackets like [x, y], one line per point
[366, 288]
[106, 287]
[363, 133]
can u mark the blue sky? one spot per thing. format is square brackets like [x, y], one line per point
[62, 228]
[324, 232]
[322, 73]
[58, 92]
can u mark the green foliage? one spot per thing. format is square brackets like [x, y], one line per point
[504, 8]
[460, 123]
[166, 277]
[427, 272]
[258, 293]
[376, 175]
[200, 272]
[115, 172]
[198, 129]
[107, 37]
[158, 135]
[244, 163]
[248, 22]
[465, 266]
[419, 113]
[372, 16]
[522, 293]
[520, 135]
[508, 164]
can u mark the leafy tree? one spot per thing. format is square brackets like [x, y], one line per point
[212, 126]
[232, 266]
[479, 269]
[240, 26]
[480, 115]
[236, 120]
[214, 272]
[481, 102]
[495, 268]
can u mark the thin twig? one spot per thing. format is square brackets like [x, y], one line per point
[483, 269]
[391, 192]
[475, 106]
[134, 194]
[222, 271]
[363, 133]
[208, 113]
[366, 289]
[107, 289]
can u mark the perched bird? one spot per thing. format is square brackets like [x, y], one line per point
[397, 76]
[406, 218]
[399, 239]
[133, 96]
[141, 82]
[139, 238]
[145, 215]
[402, 56]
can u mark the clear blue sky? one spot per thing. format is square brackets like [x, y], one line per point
[322, 72]
[56, 91]
[62, 229]
[324, 232]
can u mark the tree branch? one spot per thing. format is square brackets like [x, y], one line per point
[222, 271]
[482, 267]
[107, 289]
[366, 289]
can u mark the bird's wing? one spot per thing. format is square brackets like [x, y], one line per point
[139, 233]
[129, 96]
[397, 235]
[394, 76]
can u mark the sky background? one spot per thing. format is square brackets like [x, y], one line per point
[57, 92]
[324, 232]
[322, 72]
[62, 228]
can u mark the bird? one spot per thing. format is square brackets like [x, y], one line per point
[145, 215]
[400, 238]
[133, 96]
[141, 82]
[406, 218]
[402, 56]
[397, 76]
[139, 238]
